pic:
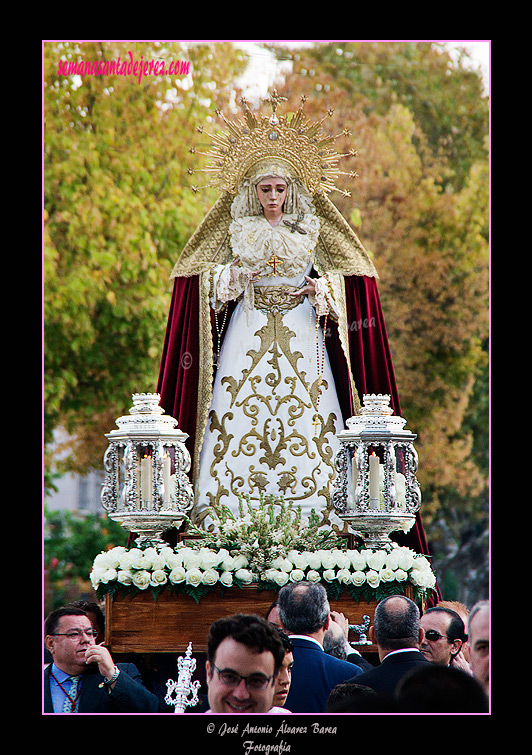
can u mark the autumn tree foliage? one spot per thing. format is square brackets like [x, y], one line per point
[118, 209]
[419, 121]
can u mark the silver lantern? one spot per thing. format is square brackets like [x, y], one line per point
[146, 488]
[376, 490]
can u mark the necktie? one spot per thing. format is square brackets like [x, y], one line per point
[71, 700]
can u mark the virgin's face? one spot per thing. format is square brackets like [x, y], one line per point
[272, 194]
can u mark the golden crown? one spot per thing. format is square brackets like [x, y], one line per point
[292, 145]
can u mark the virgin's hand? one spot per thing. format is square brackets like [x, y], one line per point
[100, 655]
[254, 273]
[310, 288]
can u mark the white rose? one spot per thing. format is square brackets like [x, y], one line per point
[358, 578]
[126, 560]
[422, 578]
[282, 564]
[158, 562]
[226, 578]
[96, 575]
[150, 557]
[113, 556]
[372, 578]
[343, 576]
[313, 559]
[405, 558]
[377, 560]
[244, 576]
[192, 560]
[101, 561]
[210, 577]
[171, 559]
[422, 563]
[109, 575]
[392, 560]
[228, 563]
[125, 577]
[297, 575]
[193, 577]
[240, 562]
[141, 560]
[158, 577]
[141, 579]
[400, 575]
[327, 560]
[429, 579]
[298, 559]
[358, 560]
[313, 576]
[386, 575]
[279, 577]
[177, 575]
[209, 559]
[166, 552]
[329, 575]
[342, 559]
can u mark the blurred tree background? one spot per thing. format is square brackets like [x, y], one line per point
[118, 210]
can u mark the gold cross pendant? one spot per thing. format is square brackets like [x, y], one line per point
[316, 423]
[274, 262]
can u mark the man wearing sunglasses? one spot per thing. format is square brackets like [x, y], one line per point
[444, 634]
[244, 656]
[83, 677]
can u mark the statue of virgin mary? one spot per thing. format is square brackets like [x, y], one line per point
[275, 329]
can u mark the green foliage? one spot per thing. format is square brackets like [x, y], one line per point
[117, 211]
[70, 542]
[419, 121]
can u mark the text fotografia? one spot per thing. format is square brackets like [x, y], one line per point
[278, 746]
[138, 68]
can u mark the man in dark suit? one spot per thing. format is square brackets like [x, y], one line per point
[397, 633]
[83, 677]
[305, 614]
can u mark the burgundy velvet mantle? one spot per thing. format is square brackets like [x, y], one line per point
[371, 362]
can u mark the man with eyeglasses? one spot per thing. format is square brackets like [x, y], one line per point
[83, 677]
[244, 655]
[444, 634]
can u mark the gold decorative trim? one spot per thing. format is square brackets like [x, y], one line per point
[301, 149]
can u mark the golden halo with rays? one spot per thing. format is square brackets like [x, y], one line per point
[295, 142]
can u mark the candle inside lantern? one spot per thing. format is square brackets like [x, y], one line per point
[354, 474]
[167, 469]
[374, 481]
[146, 480]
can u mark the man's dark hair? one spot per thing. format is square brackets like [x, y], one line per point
[287, 642]
[456, 629]
[250, 630]
[303, 607]
[52, 620]
[93, 608]
[396, 623]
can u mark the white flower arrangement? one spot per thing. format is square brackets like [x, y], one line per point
[263, 549]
